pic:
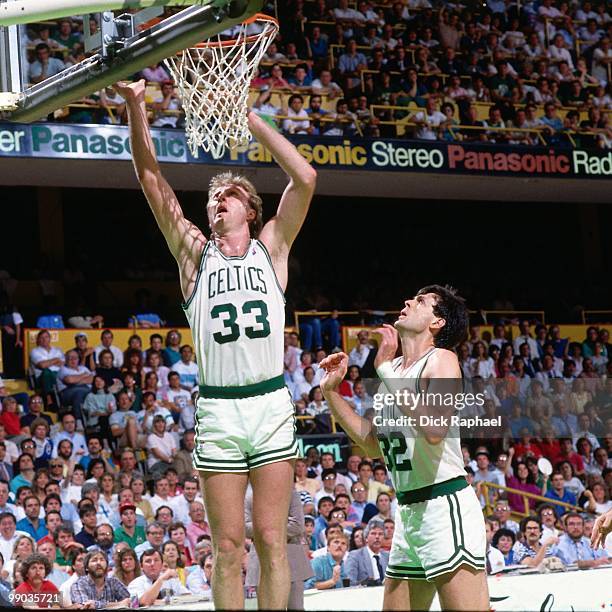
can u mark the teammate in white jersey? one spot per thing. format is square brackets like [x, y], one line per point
[232, 285]
[439, 541]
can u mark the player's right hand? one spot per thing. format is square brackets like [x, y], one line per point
[601, 528]
[335, 367]
[130, 91]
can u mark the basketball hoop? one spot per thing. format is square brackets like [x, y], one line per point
[213, 83]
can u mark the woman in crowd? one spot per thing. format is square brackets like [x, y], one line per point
[110, 374]
[585, 450]
[23, 547]
[39, 482]
[178, 535]
[480, 363]
[154, 364]
[98, 406]
[598, 499]
[572, 483]
[579, 396]
[134, 342]
[23, 470]
[357, 539]
[173, 559]
[133, 390]
[141, 497]
[108, 497]
[523, 481]
[353, 374]
[504, 540]
[133, 365]
[40, 436]
[127, 567]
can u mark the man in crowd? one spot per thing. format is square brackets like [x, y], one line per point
[155, 538]
[97, 587]
[574, 547]
[148, 586]
[369, 563]
[128, 531]
[31, 523]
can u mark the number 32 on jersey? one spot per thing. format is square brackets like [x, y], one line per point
[393, 447]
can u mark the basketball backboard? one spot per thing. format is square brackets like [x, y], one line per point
[119, 48]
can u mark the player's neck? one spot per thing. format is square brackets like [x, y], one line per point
[233, 243]
[414, 347]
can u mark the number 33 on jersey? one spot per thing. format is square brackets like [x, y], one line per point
[237, 317]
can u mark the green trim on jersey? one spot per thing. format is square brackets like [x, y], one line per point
[267, 254]
[435, 490]
[228, 257]
[185, 305]
[260, 388]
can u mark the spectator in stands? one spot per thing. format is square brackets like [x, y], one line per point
[276, 79]
[598, 500]
[167, 106]
[557, 492]
[574, 547]
[155, 74]
[106, 338]
[369, 563]
[429, 121]
[46, 361]
[297, 121]
[501, 512]
[65, 36]
[504, 540]
[74, 382]
[532, 550]
[35, 570]
[350, 65]
[360, 352]
[148, 586]
[44, 66]
[171, 354]
[317, 45]
[330, 570]
[31, 523]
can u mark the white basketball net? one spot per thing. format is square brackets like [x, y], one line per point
[213, 84]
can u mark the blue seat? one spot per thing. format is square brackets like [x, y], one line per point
[51, 321]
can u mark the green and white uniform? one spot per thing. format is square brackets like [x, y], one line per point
[438, 523]
[244, 416]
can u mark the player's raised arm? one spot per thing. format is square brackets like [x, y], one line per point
[184, 239]
[279, 233]
[358, 429]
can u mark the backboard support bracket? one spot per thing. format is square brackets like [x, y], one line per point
[121, 57]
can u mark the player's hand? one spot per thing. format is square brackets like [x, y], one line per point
[131, 92]
[336, 573]
[601, 528]
[335, 367]
[388, 345]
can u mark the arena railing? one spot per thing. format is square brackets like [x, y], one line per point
[585, 314]
[304, 417]
[526, 497]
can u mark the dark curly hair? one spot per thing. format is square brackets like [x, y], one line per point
[33, 559]
[451, 307]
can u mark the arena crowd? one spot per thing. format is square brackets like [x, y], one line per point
[99, 501]
[535, 72]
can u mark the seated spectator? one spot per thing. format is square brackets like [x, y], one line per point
[99, 405]
[106, 338]
[127, 567]
[97, 586]
[552, 123]
[531, 551]
[315, 113]
[23, 471]
[155, 73]
[276, 79]
[361, 562]
[65, 36]
[166, 107]
[301, 79]
[598, 500]
[32, 524]
[46, 361]
[504, 540]
[74, 383]
[558, 492]
[35, 569]
[108, 372]
[429, 121]
[44, 66]
[344, 121]
[325, 86]
[46, 547]
[350, 65]
[148, 586]
[154, 364]
[297, 121]
[161, 446]
[317, 45]
[330, 571]
[574, 547]
[187, 369]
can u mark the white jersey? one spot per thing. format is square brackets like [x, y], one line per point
[412, 461]
[237, 318]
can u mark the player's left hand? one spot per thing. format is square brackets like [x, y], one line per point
[335, 367]
[388, 345]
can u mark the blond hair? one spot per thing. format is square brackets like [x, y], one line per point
[237, 180]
